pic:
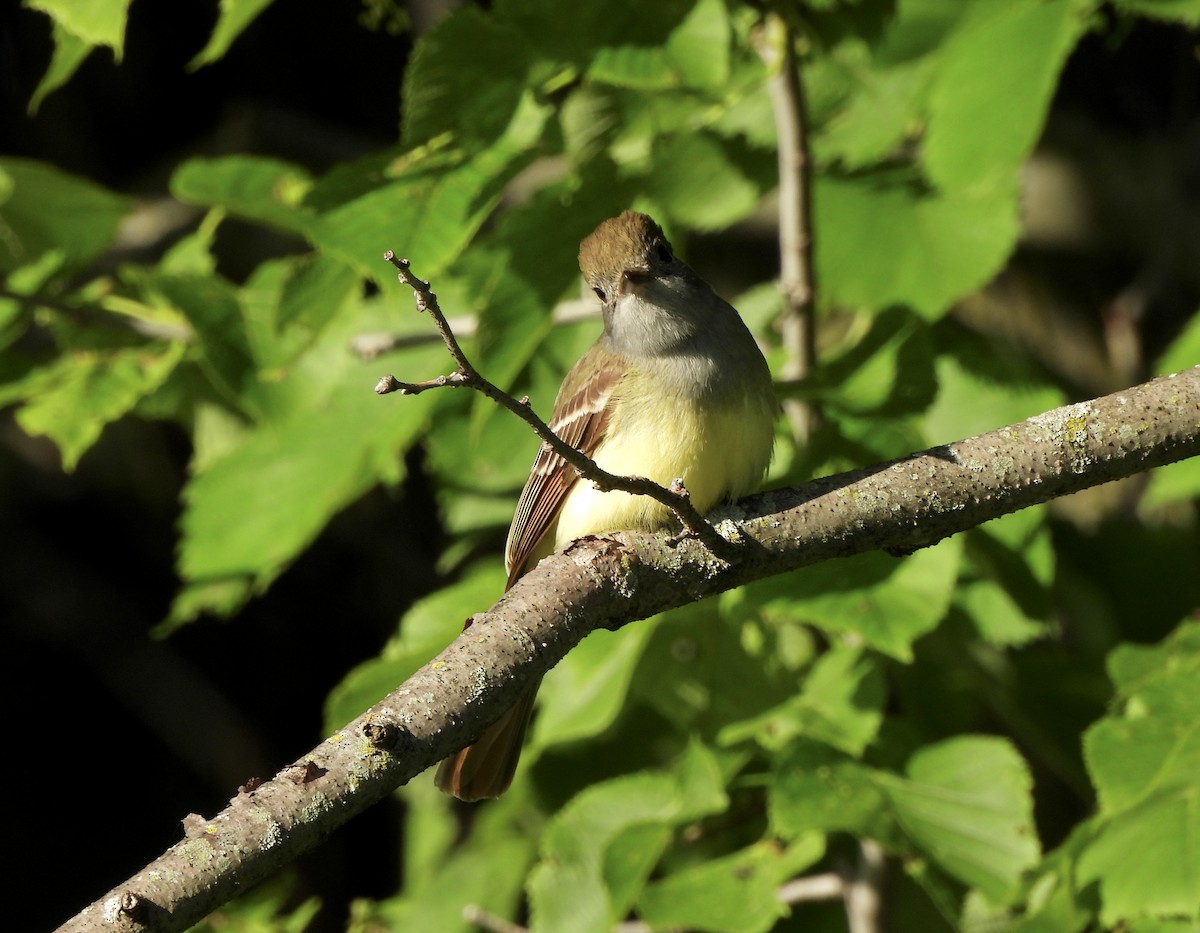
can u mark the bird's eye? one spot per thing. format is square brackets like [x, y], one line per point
[600, 293]
[663, 252]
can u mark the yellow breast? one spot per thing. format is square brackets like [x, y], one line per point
[720, 453]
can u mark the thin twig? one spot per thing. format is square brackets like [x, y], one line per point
[797, 281]
[490, 922]
[675, 498]
[825, 887]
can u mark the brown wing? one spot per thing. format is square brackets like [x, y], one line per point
[581, 415]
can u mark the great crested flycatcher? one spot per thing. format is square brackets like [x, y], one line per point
[674, 388]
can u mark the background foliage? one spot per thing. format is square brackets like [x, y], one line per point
[1004, 221]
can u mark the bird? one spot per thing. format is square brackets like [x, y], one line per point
[675, 388]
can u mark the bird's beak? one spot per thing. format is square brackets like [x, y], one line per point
[632, 280]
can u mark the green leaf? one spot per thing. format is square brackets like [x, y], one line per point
[69, 52]
[889, 371]
[971, 401]
[995, 615]
[272, 906]
[572, 33]
[466, 77]
[733, 894]
[842, 700]
[1145, 761]
[747, 114]
[636, 67]
[967, 802]
[1052, 904]
[699, 47]
[697, 183]
[73, 399]
[488, 875]
[840, 704]
[300, 297]
[1145, 858]
[97, 22]
[430, 217]
[16, 314]
[701, 670]
[489, 463]
[587, 118]
[882, 108]
[269, 191]
[192, 254]
[513, 320]
[567, 890]
[929, 247]
[813, 787]
[212, 308]
[1183, 351]
[431, 829]
[48, 210]
[235, 16]
[297, 475]
[1157, 925]
[993, 88]
[888, 603]
[630, 860]
[1005, 589]
[1153, 741]
[585, 694]
[1170, 484]
[925, 249]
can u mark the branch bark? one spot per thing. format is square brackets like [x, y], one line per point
[609, 581]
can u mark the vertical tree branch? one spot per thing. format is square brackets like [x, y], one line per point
[863, 892]
[778, 50]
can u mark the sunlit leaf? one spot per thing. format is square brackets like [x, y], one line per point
[266, 190]
[992, 90]
[235, 16]
[925, 249]
[69, 52]
[967, 802]
[1163, 832]
[566, 888]
[815, 788]
[97, 22]
[585, 693]
[465, 77]
[48, 210]
[888, 603]
[699, 184]
[734, 894]
[73, 400]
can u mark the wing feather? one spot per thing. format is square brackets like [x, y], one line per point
[581, 416]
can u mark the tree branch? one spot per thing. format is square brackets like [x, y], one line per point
[606, 582]
[777, 47]
[675, 497]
